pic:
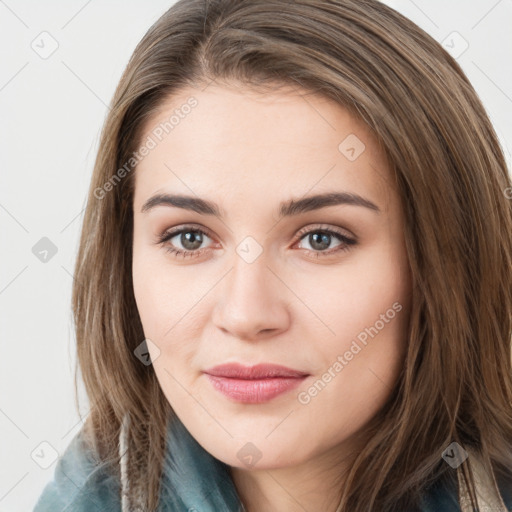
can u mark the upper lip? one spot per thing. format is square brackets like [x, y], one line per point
[259, 371]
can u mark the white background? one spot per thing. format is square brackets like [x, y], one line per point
[51, 113]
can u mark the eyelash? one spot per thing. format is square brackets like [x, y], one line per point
[346, 242]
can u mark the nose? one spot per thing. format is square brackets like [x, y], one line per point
[251, 303]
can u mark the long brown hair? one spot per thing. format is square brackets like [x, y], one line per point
[456, 383]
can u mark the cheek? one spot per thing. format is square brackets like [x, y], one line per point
[155, 298]
[366, 309]
[359, 374]
[352, 298]
[160, 293]
[167, 306]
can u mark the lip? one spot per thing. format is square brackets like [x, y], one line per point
[253, 384]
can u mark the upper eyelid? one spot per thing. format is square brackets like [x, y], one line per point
[185, 227]
[323, 227]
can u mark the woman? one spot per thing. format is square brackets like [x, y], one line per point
[293, 288]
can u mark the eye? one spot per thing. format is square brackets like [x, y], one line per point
[189, 237]
[320, 238]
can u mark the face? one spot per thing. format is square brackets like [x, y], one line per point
[318, 286]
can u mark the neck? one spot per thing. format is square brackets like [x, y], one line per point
[315, 485]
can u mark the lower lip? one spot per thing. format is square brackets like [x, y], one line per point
[254, 391]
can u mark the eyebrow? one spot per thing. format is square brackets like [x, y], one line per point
[286, 209]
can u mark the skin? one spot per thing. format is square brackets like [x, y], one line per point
[247, 152]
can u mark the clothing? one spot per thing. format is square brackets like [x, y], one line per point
[194, 481]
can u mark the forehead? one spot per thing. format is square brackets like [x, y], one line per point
[225, 140]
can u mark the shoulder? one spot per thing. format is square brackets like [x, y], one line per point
[193, 479]
[441, 495]
[505, 488]
[450, 493]
[80, 483]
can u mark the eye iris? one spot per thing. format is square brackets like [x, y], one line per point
[321, 244]
[195, 238]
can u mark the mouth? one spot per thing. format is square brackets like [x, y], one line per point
[254, 384]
